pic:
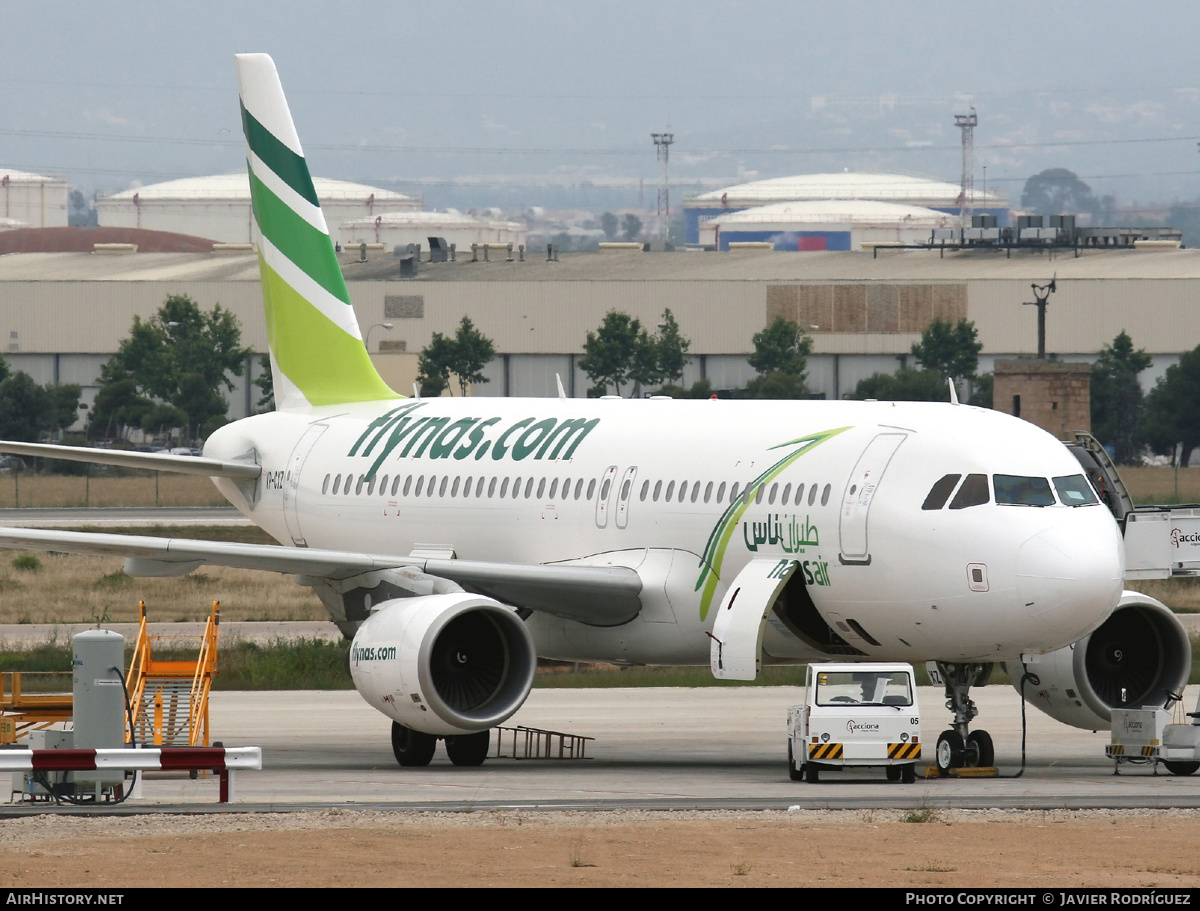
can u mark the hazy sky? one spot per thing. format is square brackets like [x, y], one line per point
[112, 93]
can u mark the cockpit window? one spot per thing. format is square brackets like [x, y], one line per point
[1015, 490]
[974, 492]
[1074, 490]
[940, 492]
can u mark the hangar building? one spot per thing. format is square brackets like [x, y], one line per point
[411, 227]
[66, 313]
[901, 189]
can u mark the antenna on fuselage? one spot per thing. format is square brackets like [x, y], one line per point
[416, 390]
[562, 393]
[953, 391]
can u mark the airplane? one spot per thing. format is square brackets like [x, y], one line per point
[456, 540]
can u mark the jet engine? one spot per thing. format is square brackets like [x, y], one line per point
[1140, 655]
[444, 664]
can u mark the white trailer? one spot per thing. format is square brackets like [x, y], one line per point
[856, 716]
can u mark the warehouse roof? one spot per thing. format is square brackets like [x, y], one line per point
[236, 186]
[843, 185]
[863, 212]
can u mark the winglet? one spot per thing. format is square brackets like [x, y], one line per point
[317, 354]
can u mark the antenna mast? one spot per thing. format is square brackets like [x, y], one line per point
[966, 198]
[662, 147]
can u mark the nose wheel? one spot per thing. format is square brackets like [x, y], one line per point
[957, 748]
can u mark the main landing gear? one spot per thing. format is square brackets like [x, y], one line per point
[415, 748]
[956, 748]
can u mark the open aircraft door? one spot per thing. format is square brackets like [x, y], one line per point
[736, 649]
[860, 491]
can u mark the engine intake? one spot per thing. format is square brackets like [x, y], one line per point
[1137, 657]
[444, 664]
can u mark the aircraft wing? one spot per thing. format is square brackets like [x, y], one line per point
[597, 595]
[238, 470]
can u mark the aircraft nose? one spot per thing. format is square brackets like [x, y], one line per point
[1070, 575]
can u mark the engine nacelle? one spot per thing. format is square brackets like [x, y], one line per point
[444, 664]
[1137, 657]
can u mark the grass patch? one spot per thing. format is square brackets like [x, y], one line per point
[27, 563]
[920, 815]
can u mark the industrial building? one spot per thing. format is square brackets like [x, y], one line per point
[900, 189]
[218, 206]
[32, 200]
[66, 313]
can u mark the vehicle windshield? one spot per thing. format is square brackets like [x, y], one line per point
[864, 688]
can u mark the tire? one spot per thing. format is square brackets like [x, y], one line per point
[793, 773]
[412, 748]
[1181, 768]
[981, 754]
[811, 773]
[908, 773]
[893, 773]
[950, 750]
[469, 749]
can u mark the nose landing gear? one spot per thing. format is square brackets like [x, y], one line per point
[957, 748]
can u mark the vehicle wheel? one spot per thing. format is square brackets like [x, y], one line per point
[908, 773]
[893, 773]
[793, 773]
[469, 749]
[950, 749]
[811, 773]
[412, 748]
[1181, 768]
[980, 752]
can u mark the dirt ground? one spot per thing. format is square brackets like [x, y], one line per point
[887, 848]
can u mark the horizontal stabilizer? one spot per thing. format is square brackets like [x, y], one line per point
[155, 461]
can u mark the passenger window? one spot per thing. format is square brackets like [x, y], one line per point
[787, 493]
[1074, 490]
[771, 496]
[325, 485]
[799, 494]
[758, 495]
[349, 481]
[683, 486]
[733, 492]
[370, 485]
[467, 488]
[812, 494]
[625, 490]
[529, 488]
[605, 489]
[591, 489]
[579, 489]
[645, 490]
[657, 490]
[429, 489]
[825, 494]
[974, 492]
[721, 492]
[420, 487]
[383, 486]
[940, 492]
[492, 488]
[1015, 490]
[407, 484]
[708, 492]
[554, 488]
[503, 488]
[670, 492]
[516, 488]
[695, 491]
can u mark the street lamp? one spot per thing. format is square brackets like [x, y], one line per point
[367, 342]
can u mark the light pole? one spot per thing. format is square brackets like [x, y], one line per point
[367, 342]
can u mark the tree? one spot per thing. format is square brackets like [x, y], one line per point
[265, 381]
[1058, 191]
[1117, 400]
[1172, 412]
[180, 357]
[949, 349]
[623, 351]
[608, 224]
[463, 357]
[631, 227]
[29, 412]
[781, 346]
[905, 385]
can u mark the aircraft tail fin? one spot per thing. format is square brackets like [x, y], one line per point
[317, 353]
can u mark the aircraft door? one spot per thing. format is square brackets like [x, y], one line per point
[735, 650]
[604, 495]
[860, 492]
[291, 485]
[624, 495]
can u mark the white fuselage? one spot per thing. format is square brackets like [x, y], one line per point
[838, 487]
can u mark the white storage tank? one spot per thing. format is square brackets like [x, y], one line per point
[32, 200]
[218, 206]
[417, 227]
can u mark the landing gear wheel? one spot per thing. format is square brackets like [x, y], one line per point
[793, 773]
[811, 773]
[469, 749]
[908, 773]
[412, 748]
[950, 750]
[893, 773]
[1181, 768]
[980, 752]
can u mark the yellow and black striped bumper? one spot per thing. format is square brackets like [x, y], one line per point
[904, 751]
